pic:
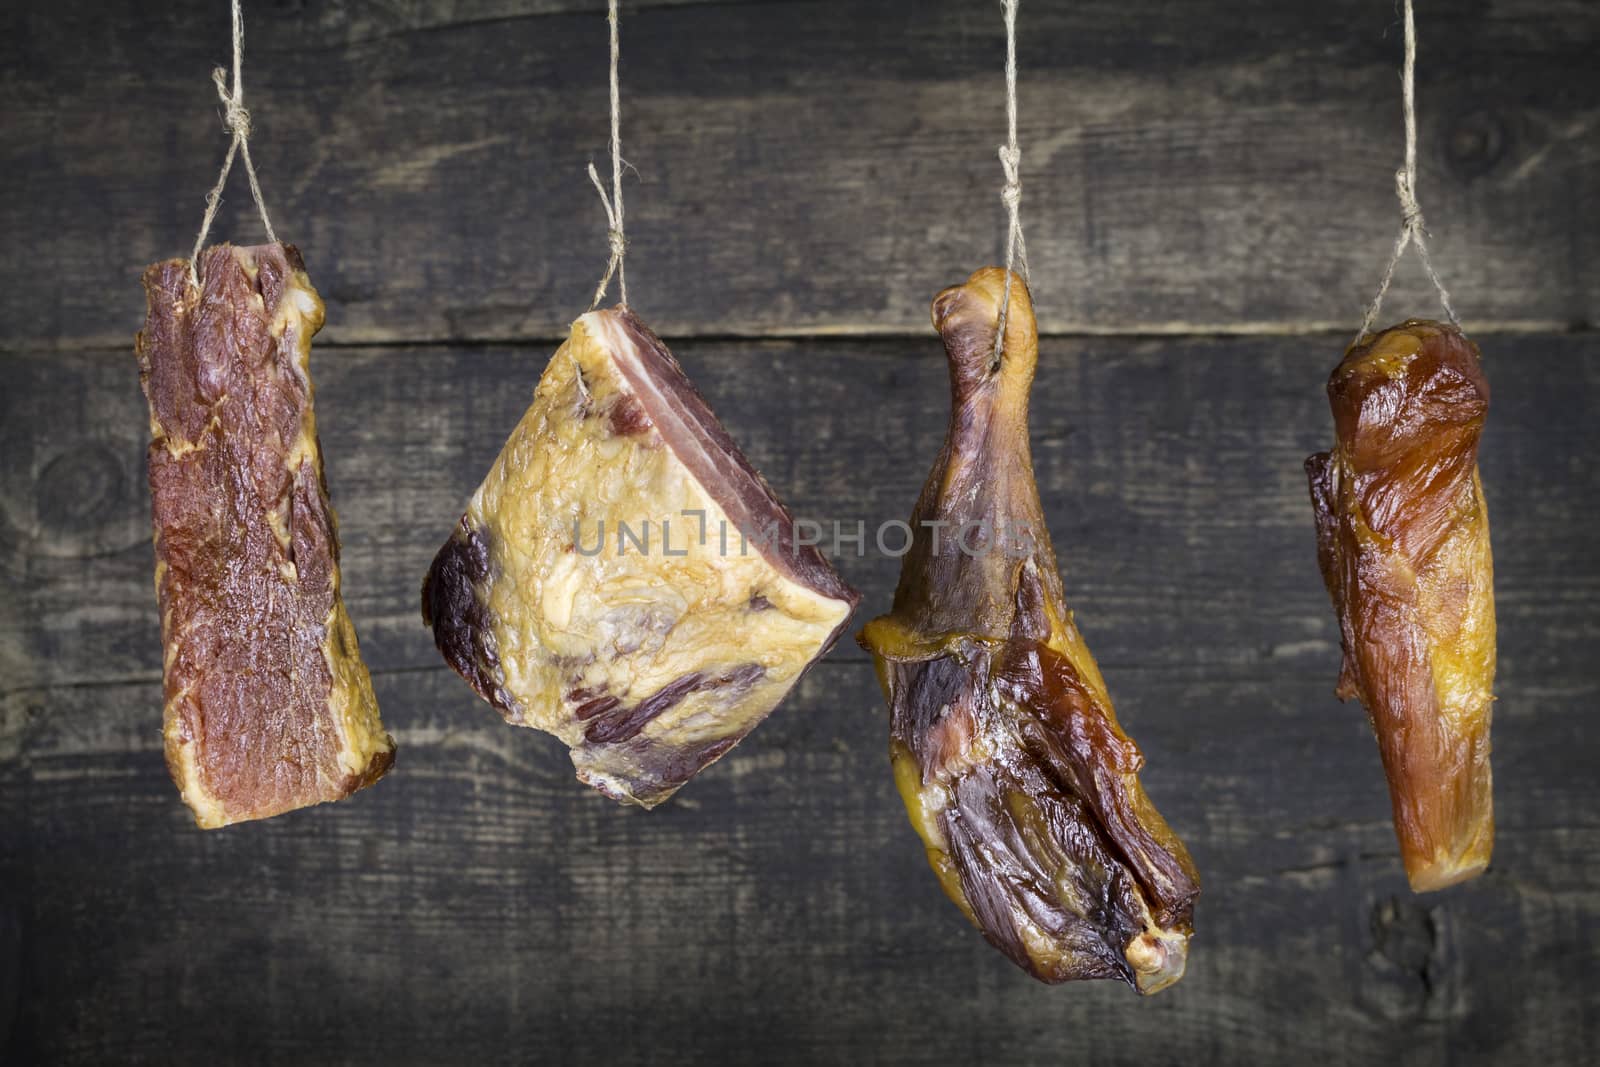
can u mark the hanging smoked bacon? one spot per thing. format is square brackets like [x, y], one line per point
[624, 578]
[268, 704]
[1005, 746]
[1403, 541]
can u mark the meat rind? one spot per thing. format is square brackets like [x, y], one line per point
[653, 652]
[1403, 544]
[268, 705]
[1005, 746]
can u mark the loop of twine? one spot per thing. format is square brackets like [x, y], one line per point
[616, 235]
[1011, 192]
[236, 120]
[616, 239]
[1412, 228]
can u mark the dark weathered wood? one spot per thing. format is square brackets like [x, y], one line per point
[819, 170]
[805, 166]
[482, 906]
[1170, 471]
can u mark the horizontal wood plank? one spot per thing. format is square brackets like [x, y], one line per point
[805, 167]
[809, 173]
[1170, 472]
[479, 905]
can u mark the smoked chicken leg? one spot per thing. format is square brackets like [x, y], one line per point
[1004, 743]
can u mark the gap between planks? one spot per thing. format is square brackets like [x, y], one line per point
[855, 332]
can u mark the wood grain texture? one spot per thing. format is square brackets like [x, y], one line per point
[806, 166]
[1169, 468]
[479, 907]
[482, 905]
[816, 170]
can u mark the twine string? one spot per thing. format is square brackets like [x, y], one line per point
[616, 236]
[1011, 191]
[1412, 228]
[237, 121]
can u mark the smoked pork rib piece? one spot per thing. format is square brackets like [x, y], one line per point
[268, 705]
[600, 587]
[1005, 747]
[1403, 542]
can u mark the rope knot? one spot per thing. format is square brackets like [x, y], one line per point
[1010, 162]
[612, 202]
[1405, 180]
[1410, 210]
[616, 239]
[236, 120]
[1011, 192]
[234, 117]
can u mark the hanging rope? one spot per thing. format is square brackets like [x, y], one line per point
[1405, 187]
[1011, 192]
[237, 120]
[613, 203]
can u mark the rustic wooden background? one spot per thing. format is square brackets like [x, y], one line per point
[1208, 201]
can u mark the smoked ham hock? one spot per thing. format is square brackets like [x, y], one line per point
[1403, 542]
[623, 578]
[1005, 747]
[268, 706]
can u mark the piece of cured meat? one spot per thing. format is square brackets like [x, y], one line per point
[1403, 542]
[1005, 747]
[268, 704]
[623, 578]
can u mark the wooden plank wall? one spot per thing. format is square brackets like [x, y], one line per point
[1208, 199]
